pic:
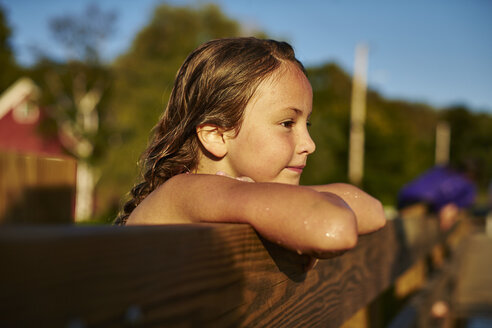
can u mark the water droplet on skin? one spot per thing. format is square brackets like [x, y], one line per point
[299, 252]
[329, 235]
[267, 209]
[306, 224]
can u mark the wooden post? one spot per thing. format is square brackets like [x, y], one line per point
[443, 137]
[358, 116]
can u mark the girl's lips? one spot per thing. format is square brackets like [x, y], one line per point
[297, 169]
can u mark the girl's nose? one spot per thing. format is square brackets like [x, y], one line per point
[306, 144]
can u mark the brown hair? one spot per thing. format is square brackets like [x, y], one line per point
[213, 86]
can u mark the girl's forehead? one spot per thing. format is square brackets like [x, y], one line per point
[288, 79]
[285, 70]
[286, 87]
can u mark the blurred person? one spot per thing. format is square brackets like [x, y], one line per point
[443, 190]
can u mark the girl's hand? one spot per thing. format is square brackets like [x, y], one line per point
[245, 179]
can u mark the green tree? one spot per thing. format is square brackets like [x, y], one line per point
[471, 140]
[399, 135]
[399, 144]
[75, 92]
[10, 69]
[330, 122]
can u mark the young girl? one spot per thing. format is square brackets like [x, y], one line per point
[231, 146]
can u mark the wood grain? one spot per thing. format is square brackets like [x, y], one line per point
[206, 275]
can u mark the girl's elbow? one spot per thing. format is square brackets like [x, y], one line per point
[341, 233]
[347, 232]
[380, 217]
[377, 219]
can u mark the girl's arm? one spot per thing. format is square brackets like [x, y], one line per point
[296, 217]
[368, 210]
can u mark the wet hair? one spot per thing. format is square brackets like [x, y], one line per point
[213, 86]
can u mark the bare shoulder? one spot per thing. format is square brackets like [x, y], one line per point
[187, 198]
[159, 206]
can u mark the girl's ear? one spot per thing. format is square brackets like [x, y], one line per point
[212, 139]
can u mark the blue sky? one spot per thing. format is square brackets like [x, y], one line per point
[433, 51]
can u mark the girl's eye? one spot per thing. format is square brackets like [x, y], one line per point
[287, 124]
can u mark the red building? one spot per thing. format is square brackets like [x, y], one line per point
[20, 117]
[37, 181]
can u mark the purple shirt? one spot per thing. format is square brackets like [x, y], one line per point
[437, 187]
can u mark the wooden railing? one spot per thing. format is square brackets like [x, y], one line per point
[197, 275]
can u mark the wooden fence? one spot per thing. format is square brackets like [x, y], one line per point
[36, 189]
[207, 275]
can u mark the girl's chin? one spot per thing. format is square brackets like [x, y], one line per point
[289, 180]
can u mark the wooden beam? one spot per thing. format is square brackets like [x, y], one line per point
[206, 275]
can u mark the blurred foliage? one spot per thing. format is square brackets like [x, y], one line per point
[57, 82]
[75, 96]
[398, 142]
[10, 69]
[400, 135]
[471, 145]
[83, 35]
[81, 77]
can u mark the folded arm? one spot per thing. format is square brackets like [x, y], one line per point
[368, 210]
[296, 217]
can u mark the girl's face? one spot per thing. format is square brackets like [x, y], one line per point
[273, 142]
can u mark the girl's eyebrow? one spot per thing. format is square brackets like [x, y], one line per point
[298, 111]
